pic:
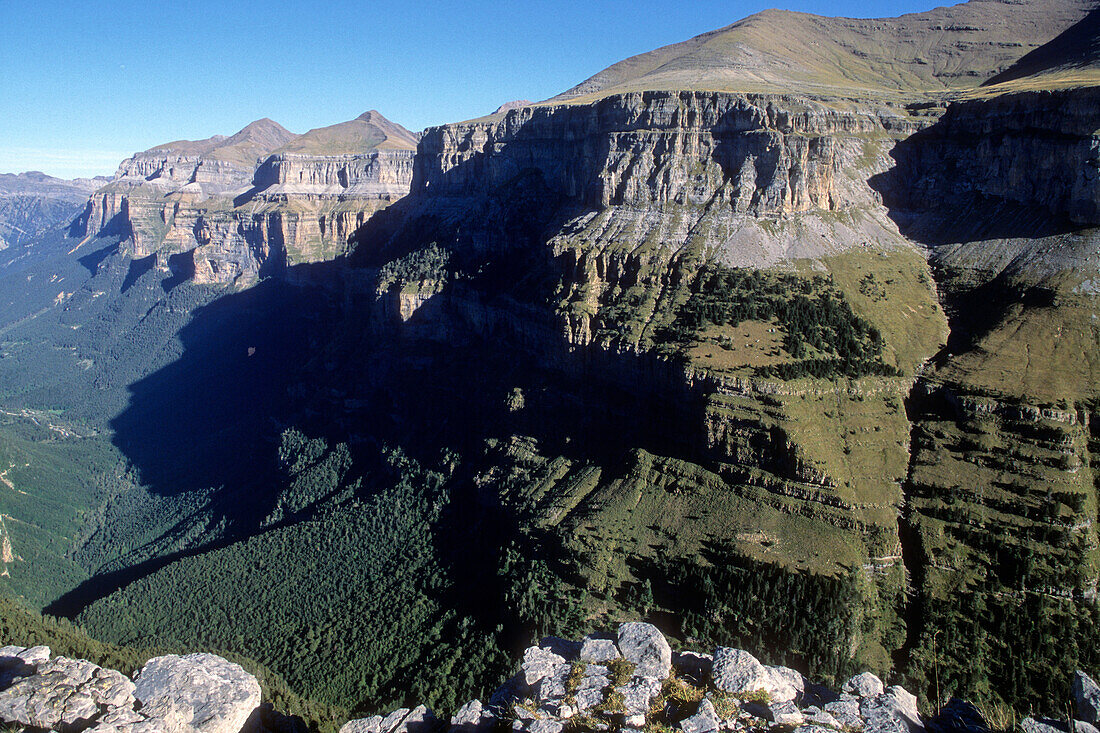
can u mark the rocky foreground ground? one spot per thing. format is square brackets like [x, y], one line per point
[630, 681]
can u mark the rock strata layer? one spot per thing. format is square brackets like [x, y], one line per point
[213, 211]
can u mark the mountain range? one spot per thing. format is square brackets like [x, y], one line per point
[784, 337]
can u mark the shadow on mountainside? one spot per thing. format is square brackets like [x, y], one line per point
[1075, 48]
[336, 361]
[939, 195]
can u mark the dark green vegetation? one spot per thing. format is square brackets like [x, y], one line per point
[820, 331]
[805, 620]
[240, 483]
[427, 265]
[247, 466]
[342, 579]
[381, 478]
[21, 626]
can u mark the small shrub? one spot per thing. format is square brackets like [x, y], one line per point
[621, 671]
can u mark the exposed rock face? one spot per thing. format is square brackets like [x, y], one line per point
[405, 720]
[210, 212]
[65, 694]
[756, 154]
[863, 685]
[616, 197]
[473, 717]
[586, 699]
[608, 210]
[1038, 150]
[1086, 697]
[646, 648]
[198, 693]
[204, 692]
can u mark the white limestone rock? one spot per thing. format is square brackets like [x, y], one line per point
[705, 720]
[539, 663]
[372, 724]
[894, 711]
[63, 693]
[598, 649]
[1086, 697]
[197, 693]
[472, 717]
[787, 683]
[738, 672]
[637, 695]
[785, 713]
[846, 712]
[646, 647]
[864, 685]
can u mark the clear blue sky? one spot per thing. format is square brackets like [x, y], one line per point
[83, 85]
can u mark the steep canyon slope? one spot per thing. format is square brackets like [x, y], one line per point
[783, 336]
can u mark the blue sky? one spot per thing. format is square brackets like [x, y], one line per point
[83, 85]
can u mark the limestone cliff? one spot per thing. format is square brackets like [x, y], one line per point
[587, 226]
[718, 326]
[234, 209]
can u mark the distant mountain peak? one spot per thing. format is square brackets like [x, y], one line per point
[514, 104]
[369, 131]
[949, 48]
[254, 140]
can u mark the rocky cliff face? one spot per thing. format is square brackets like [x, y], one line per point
[597, 224]
[1036, 150]
[834, 346]
[602, 215]
[208, 213]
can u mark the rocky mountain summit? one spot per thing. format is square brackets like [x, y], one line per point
[628, 681]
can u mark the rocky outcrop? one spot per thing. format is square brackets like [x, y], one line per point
[206, 693]
[217, 216]
[757, 154]
[198, 693]
[620, 695]
[1034, 150]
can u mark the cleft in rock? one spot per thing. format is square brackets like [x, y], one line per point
[636, 697]
[694, 665]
